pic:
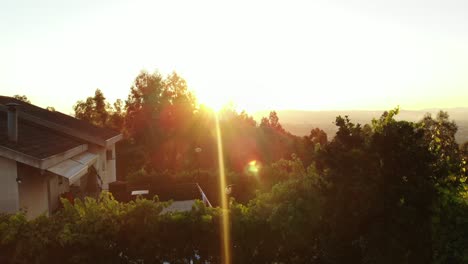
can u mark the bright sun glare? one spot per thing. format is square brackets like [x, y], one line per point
[213, 99]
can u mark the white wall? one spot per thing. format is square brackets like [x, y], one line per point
[101, 163]
[9, 199]
[111, 171]
[56, 189]
[105, 167]
[33, 195]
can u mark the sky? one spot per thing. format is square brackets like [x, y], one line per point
[260, 55]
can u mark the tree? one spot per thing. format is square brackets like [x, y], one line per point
[464, 149]
[405, 195]
[450, 232]
[380, 189]
[275, 142]
[347, 173]
[23, 98]
[94, 109]
[317, 136]
[272, 122]
[117, 116]
[464, 154]
[159, 115]
[281, 225]
[440, 133]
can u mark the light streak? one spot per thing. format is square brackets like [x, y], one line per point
[225, 228]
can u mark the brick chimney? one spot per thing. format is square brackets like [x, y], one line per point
[12, 121]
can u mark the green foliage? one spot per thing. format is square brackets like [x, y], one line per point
[163, 125]
[98, 112]
[383, 189]
[440, 134]
[106, 231]
[385, 119]
[379, 203]
[286, 222]
[386, 192]
[23, 98]
[450, 227]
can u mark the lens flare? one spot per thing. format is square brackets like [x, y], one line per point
[253, 167]
[225, 229]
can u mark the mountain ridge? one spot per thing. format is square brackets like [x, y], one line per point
[300, 122]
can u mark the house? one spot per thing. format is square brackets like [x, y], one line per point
[45, 155]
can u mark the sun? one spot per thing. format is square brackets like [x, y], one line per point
[220, 94]
[214, 104]
[213, 100]
[219, 100]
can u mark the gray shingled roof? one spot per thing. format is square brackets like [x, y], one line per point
[36, 141]
[61, 119]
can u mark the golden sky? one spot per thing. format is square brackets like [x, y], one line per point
[317, 55]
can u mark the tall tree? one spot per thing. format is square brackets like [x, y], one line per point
[440, 133]
[381, 188]
[158, 116]
[94, 109]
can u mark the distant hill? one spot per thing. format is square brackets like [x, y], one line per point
[301, 122]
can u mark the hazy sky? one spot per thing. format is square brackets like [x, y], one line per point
[345, 54]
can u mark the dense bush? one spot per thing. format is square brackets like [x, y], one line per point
[106, 231]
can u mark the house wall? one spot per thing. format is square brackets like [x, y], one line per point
[111, 170]
[9, 199]
[104, 166]
[57, 186]
[33, 193]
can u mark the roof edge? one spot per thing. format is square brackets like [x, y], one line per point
[69, 131]
[57, 158]
[41, 163]
[113, 140]
[19, 156]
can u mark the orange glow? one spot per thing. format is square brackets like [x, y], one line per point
[330, 55]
